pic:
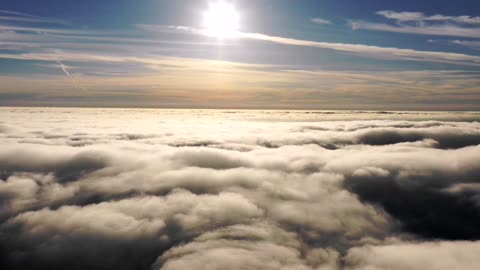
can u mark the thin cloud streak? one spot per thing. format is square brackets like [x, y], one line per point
[468, 43]
[373, 51]
[405, 16]
[320, 21]
[72, 78]
[8, 15]
[436, 30]
[420, 24]
[390, 53]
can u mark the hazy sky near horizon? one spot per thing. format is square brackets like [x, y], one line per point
[342, 54]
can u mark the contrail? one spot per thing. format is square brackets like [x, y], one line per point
[72, 78]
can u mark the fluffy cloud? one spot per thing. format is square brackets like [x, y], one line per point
[179, 190]
[405, 256]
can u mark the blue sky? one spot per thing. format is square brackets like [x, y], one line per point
[404, 55]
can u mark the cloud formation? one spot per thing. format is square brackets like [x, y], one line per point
[320, 21]
[257, 70]
[421, 24]
[388, 53]
[404, 256]
[473, 44]
[177, 189]
[419, 16]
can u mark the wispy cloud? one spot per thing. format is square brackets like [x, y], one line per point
[405, 16]
[378, 52]
[419, 29]
[128, 63]
[421, 24]
[468, 43]
[374, 51]
[45, 30]
[8, 15]
[401, 16]
[320, 21]
[72, 78]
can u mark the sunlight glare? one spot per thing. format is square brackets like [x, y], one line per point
[221, 20]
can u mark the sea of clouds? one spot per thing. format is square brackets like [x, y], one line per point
[199, 189]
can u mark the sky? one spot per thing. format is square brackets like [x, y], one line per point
[282, 54]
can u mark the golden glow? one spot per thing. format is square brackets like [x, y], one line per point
[221, 20]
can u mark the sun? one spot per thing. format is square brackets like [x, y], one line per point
[221, 20]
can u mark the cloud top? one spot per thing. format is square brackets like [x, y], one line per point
[179, 190]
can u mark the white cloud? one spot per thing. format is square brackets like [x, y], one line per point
[8, 15]
[437, 30]
[401, 16]
[405, 16]
[468, 43]
[320, 21]
[389, 53]
[407, 256]
[421, 24]
[373, 51]
[360, 49]
[199, 189]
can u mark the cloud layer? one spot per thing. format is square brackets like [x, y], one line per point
[170, 189]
